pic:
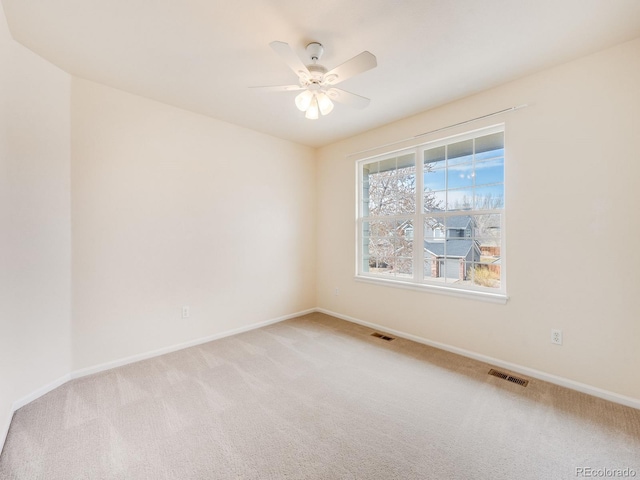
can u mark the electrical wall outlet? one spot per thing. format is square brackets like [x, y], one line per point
[337, 292]
[185, 312]
[556, 337]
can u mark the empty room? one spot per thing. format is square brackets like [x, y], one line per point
[272, 239]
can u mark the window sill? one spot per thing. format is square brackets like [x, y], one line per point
[500, 298]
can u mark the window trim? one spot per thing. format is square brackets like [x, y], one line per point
[418, 282]
[500, 298]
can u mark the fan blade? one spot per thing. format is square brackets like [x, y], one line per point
[290, 58]
[348, 98]
[358, 64]
[280, 88]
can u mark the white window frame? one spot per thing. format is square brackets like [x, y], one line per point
[418, 282]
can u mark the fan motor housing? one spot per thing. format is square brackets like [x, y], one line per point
[317, 73]
[316, 69]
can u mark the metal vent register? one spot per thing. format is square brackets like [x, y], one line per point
[383, 337]
[509, 378]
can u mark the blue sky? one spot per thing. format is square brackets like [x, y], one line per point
[464, 178]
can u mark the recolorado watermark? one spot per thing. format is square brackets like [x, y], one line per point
[591, 472]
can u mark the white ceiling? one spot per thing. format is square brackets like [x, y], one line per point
[203, 55]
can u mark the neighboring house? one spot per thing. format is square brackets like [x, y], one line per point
[448, 255]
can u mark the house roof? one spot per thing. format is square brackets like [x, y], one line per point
[456, 247]
[458, 223]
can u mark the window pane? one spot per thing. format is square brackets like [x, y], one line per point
[490, 155]
[435, 268]
[490, 171]
[488, 227]
[483, 274]
[389, 186]
[447, 270]
[435, 201]
[460, 175]
[391, 195]
[403, 267]
[435, 176]
[388, 247]
[434, 247]
[488, 145]
[434, 179]
[460, 199]
[460, 226]
[460, 152]
[489, 197]
[434, 228]
[365, 207]
[437, 154]
[406, 161]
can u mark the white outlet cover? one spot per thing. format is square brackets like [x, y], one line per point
[556, 337]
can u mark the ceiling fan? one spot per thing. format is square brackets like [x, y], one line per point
[317, 83]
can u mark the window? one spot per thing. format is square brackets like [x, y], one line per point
[432, 216]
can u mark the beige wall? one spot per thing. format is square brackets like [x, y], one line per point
[572, 227]
[171, 208]
[35, 243]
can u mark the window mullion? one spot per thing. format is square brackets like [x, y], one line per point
[418, 222]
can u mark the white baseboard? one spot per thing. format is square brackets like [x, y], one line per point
[28, 399]
[134, 358]
[179, 346]
[5, 430]
[547, 377]
[40, 392]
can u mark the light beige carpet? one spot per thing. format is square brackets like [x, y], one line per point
[315, 398]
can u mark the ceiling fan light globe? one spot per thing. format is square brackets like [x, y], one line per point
[303, 100]
[312, 111]
[324, 103]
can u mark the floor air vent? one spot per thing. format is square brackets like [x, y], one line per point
[509, 378]
[383, 337]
